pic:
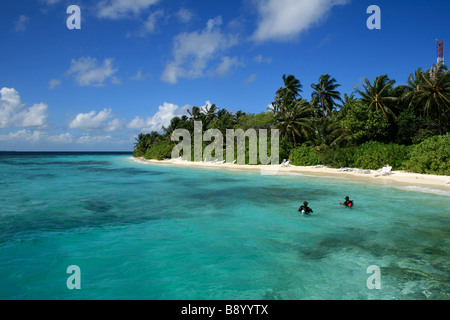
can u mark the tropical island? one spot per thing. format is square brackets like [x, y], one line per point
[405, 126]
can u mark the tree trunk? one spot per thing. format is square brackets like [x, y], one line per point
[323, 107]
[439, 123]
[295, 140]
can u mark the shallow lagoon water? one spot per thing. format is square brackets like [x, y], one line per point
[141, 231]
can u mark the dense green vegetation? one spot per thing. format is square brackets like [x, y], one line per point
[406, 126]
[431, 156]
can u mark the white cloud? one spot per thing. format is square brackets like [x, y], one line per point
[39, 137]
[13, 113]
[325, 41]
[282, 20]
[96, 121]
[172, 72]
[162, 118]
[87, 72]
[36, 136]
[9, 105]
[227, 65]
[50, 2]
[194, 51]
[34, 116]
[60, 139]
[113, 125]
[115, 80]
[20, 25]
[92, 140]
[250, 79]
[206, 107]
[261, 59]
[52, 84]
[184, 15]
[118, 9]
[149, 25]
[140, 76]
[137, 123]
[22, 136]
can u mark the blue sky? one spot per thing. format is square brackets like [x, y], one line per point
[135, 64]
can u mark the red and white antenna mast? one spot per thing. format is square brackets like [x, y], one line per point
[440, 52]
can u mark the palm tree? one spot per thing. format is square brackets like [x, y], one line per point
[295, 121]
[415, 81]
[196, 114]
[184, 120]
[175, 123]
[210, 113]
[223, 121]
[144, 142]
[286, 95]
[433, 92]
[348, 98]
[379, 95]
[325, 94]
[239, 114]
[326, 132]
[414, 85]
[292, 86]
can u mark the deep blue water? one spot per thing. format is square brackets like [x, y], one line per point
[141, 231]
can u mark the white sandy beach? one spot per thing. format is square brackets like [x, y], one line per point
[414, 181]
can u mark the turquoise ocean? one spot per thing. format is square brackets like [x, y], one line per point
[142, 231]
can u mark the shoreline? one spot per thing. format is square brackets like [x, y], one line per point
[428, 183]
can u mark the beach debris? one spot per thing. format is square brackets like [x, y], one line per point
[346, 169]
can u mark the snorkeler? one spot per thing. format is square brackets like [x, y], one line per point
[348, 202]
[305, 209]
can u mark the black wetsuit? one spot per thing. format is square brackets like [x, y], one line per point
[307, 209]
[348, 203]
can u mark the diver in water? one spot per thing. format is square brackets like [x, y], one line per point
[348, 202]
[305, 209]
